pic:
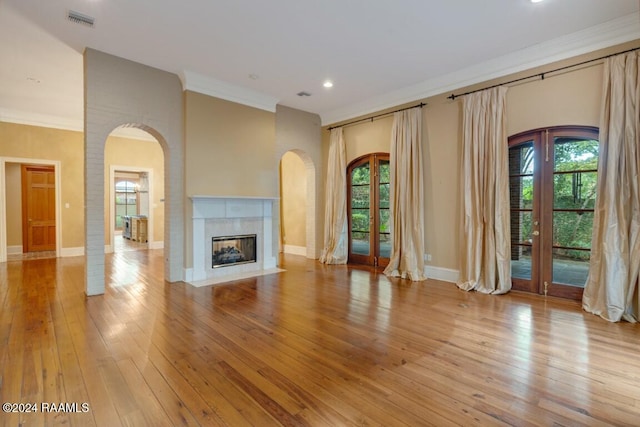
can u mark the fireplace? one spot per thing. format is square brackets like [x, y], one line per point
[231, 218]
[232, 250]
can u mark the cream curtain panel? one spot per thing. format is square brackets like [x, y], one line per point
[485, 262]
[407, 196]
[612, 289]
[335, 214]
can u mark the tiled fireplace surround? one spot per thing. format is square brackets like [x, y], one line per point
[229, 216]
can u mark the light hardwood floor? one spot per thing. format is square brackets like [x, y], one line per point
[315, 345]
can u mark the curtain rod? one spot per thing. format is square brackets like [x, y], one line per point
[422, 104]
[541, 75]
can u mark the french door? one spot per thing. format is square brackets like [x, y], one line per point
[368, 210]
[553, 175]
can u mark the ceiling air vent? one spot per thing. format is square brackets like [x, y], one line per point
[80, 18]
[303, 93]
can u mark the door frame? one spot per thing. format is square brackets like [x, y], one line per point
[57, 168]
[373, 258]
[542, 211]
[25, 169]
[109, 248]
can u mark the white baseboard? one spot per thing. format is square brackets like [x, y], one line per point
[67, 252]
[156, 245]
[14, 250]
[295, 250]
[440, 273]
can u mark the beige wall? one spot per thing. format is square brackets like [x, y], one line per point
[368, 137]
[230, 148]
[441, 135]
[33, 142]
[293, 202]
[229, 151]
[136, 153]
[13, 184]
[299, 132]
[569, 98]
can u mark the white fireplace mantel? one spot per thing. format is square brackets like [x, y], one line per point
[230, 215]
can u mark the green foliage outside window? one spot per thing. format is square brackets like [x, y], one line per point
[574, 187]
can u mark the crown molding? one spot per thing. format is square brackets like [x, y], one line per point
[62, 123]
[611, 33]
[219, 89]
[42, 120]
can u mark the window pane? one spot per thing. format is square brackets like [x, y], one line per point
[360, 197]
[521, 159]
[521, 192]
[384, 170]
[126, 186]
[521, 262]
[360, 220]
[384, 195]
[521, 241]
[360, 243]
[573, 230]
[573, 154]
[575, 190]
[360, 175]
[570, 267]
[121, 198]
[385, 235]
[132, 210]
[521, 227]
[385, 245]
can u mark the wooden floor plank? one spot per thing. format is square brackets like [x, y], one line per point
[314, 345]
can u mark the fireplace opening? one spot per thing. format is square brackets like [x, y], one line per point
[233, 250]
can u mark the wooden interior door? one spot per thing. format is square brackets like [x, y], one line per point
[38, 208]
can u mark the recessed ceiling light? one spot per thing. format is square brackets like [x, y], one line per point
[327, 84]
[536, 1]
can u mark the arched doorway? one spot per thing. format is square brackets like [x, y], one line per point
[298, 203]
[134, 191]
[119, 93]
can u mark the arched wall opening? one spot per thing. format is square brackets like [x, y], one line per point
[299, 132]
[134, 191]
[298, 203]
[122, 93]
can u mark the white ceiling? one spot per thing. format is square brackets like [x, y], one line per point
[378, 53]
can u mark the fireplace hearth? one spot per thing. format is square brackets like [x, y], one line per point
[233, 250]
